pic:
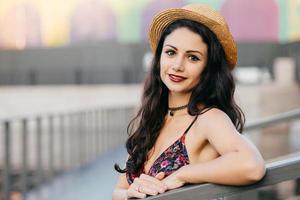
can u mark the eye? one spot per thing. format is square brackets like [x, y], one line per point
[193, 58]
[170, 52]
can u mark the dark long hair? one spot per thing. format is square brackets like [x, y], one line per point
[215, 89]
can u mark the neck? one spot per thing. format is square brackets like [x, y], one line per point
[176, 100]
[178, 103]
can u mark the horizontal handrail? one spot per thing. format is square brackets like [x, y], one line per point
[278, 118]
[277, 171]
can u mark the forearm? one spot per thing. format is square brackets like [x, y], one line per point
[119, 194]
[232, 169]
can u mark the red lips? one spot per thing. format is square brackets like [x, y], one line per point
[176, 78]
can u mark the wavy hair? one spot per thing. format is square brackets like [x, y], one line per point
[215, 89]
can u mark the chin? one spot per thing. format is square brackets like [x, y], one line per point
[178, 90]
[177, 87]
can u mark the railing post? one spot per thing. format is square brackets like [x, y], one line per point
[94, 133]
[39, 149]
[90, 132]
[97, 132]
[51, 148]
[89, 135]
[62, 141]
[105, 130]
[101, 132]
[81, 139]
[69, 141]
[297, 187]
[96, 121]
[7, 166]
[24, 179]
[74, 137]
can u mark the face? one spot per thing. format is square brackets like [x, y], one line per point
[183, 58]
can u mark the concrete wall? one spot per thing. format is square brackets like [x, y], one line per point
[103, 63]
[111, 62]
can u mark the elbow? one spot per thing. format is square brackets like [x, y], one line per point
[114, 196]
[256, 171]
[119, 193]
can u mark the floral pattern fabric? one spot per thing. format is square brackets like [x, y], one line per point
[171, 159]
[174, 157]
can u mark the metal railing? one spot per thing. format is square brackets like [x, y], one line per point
[37, 148]
[279, 170]
[268, 121]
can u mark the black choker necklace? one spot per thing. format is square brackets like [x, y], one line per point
[173, 109]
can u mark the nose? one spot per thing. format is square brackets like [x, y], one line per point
[178, 64]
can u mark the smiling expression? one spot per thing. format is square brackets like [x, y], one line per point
[183, 58]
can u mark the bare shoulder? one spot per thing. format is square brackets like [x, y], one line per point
[214, 118]
[219, 130]
[215, 122]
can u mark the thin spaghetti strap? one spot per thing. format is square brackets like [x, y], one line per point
[202, 112]
[205, 110]
[190, 125]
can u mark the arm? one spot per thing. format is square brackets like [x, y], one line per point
[240, 163]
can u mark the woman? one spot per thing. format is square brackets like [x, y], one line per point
[187, 128]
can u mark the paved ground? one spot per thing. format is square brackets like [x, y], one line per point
[93, 182]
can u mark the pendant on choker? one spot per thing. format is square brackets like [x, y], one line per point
[174, 109]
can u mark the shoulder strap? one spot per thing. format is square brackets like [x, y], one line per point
[204, 110]
[188, 128]
[201, 112]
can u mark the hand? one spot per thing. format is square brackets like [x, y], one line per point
[173, 181]
[146, 185]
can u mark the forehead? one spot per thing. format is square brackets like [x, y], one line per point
[185, 39]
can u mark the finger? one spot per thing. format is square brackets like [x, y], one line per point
[148, 190]
[148, 187]
[151, 178]
[133, 193]
[154, 182]
[172, 183]
[160, 175]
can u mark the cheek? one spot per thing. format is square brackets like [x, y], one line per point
[161, 72]
[166, 62]
[162, 63]
[163, 66]
[197, 74]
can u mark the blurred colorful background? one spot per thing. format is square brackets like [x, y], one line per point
[38, 23]
[71, 78]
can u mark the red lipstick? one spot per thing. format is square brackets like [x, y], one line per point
[176, 78]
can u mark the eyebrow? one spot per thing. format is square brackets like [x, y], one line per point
[189, 51]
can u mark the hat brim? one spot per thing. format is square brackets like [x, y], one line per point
[163, 19]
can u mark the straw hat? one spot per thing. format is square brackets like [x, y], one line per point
[199, 13]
